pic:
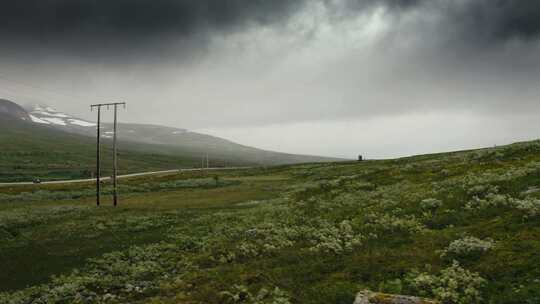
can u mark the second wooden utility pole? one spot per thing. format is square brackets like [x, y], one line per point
[115, 153]
[98, 168]
[115, 159]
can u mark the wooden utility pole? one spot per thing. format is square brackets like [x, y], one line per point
[115, 163]
[98, 169]
[115, 154]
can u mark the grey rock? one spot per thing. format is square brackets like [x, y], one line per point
[369, 297]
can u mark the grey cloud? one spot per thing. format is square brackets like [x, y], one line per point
[131, 28]
[475, 22]
[495, 21]
[438, 55]
[117, 30]
[135, 18]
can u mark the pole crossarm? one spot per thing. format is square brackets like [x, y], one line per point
[98, 105]
[107, 104]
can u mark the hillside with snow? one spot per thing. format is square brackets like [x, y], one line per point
[155, 139]
[50, 116]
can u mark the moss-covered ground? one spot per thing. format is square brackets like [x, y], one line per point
[461, 227]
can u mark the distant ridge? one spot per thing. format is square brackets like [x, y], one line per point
[44, 143]
[171, 139]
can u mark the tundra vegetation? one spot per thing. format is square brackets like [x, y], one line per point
[459, 227]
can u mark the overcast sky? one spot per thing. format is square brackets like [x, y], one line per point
[382, 78]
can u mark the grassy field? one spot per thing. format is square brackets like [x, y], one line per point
[28, 152]
[460, 227]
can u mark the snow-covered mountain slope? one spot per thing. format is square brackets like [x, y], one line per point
[43, 114]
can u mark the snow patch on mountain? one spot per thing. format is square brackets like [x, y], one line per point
[52, 114]
[37, 120]
[55, 121]
[81, 123]
[49, 115]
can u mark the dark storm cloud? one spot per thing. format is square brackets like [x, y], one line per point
[109, 25]
[135, 18]
[502, 20]
[475, 21]
[492, 22]
[392, 4]
[113, 30]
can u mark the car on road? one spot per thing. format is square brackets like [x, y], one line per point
[36, 181]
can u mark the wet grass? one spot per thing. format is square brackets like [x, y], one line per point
[287, 227]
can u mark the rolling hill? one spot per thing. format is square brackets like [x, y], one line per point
[30, 152]
[48, 144]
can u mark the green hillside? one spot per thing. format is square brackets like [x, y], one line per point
[67, 151]
[31, 151]
[459, 227]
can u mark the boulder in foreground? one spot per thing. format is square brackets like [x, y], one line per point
[368, 297]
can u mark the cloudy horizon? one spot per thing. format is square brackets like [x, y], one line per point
[382, 78]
